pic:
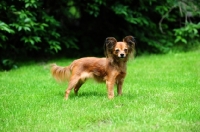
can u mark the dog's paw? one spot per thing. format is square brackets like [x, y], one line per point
[110, 97]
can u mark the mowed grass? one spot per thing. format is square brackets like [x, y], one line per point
[161, 93]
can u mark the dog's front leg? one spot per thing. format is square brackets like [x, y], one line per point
[119, 86]
[110, 87]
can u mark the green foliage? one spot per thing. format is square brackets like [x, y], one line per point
[27, 27]
[146, 21]
[45, 28]
[8, 64]
[5, 28]
[187, 34]
[130, 15]
[93, 8]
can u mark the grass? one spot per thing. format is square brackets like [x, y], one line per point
[161, 94]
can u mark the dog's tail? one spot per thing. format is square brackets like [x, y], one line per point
[60, 73]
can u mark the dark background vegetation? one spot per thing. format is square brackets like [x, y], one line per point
[35, 29]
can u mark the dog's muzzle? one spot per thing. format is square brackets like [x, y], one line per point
[122, 55]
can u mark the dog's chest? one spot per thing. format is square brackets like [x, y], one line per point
[121, 75]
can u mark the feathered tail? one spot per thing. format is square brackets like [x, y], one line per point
[60, 73]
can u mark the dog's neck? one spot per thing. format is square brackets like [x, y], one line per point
[118, 62]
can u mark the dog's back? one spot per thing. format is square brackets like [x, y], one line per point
[83, 68]
[89, 67]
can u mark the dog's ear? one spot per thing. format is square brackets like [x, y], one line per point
[130, 40]
[109, 45]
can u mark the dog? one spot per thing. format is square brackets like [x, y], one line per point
[111, 69]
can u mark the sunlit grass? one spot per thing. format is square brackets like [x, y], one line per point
[160, 93]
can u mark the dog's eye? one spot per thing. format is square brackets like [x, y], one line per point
[117, 50]
[125, 50]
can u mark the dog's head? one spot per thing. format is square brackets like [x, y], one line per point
[121, 50]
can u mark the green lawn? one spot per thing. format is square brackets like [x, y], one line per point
[161, 93]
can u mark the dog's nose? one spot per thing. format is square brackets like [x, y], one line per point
[122, 55]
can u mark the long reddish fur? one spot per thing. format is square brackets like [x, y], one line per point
[111, 69]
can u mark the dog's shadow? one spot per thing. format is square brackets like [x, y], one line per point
[83, 94]
[95, 94]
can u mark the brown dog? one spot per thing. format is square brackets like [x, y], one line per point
[111, 69]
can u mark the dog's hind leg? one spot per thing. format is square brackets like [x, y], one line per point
[77, 87]
[73, 83]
